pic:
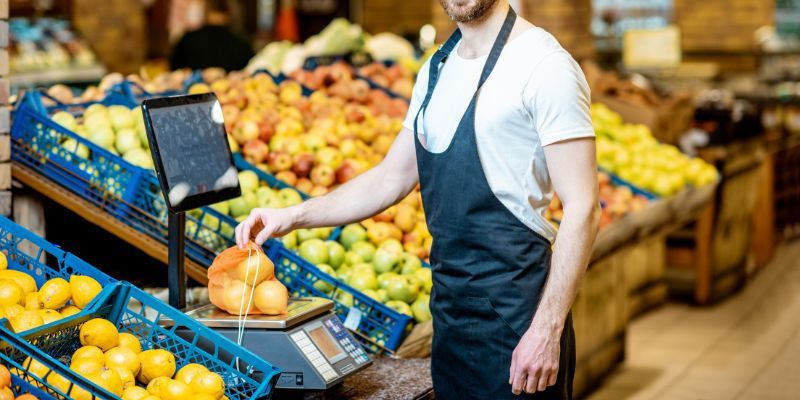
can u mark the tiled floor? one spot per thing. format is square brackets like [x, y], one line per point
[747, 347]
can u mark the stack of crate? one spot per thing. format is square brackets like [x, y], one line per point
[722, 25]
[5, 118]
[116, 31]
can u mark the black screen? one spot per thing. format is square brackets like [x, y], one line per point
[190, 147]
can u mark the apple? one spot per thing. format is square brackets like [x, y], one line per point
[384, 278]
[364, 249]
[425, 275]
[251, 200]
[380, 231]
[96, 121]
[315, 251]
[405, 218]
[230, 114]
[362, 279]
[383, 297]
[290, 196]
[352, 258]
[306, 234]
[344, 298]
[126, 140]
[120, 117]
[351, 234]
[354, 114]
[314, 142]
[287, 177]
[65, 119]
[386, 215]
[138, 157]
[255, 151]
[279, 161]
[221, 207]
[248, 180]
[382, 144]
[317, 191]
[400, 307]
[78, 149]
[96, 108]
[239, 207]
[347, 171]
[302, 165]
[293, 146]
[385, 261]
[348, 148]
[392, 245]
[402, 289]
[103, 137]
[266, 130]
[304, 185]
[245, 131]
[409, 263]
[329, 156]
[323, 175]
[421, 308]
[268, 198]
[321, 284]
[289, 240]
[413, 237]
[372, 294]
[420, 251]
[336, 254]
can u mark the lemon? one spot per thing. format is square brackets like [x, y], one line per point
[134, 393]
[22, 279]
[61, 383]
[84, 289]
[209, 383]
[123, 357]
[49, 316]
[32, 301]
[79, 393]
[175, 390]
[85, 366]
[12, 310]
[107, 379]
[90, 352]
[131, 342]
[3, 261]
[127, 378]
[203, 396]
[154, 386]
[99, 332]
[26, 320]
[187, 373]
[10, 292]
[156, 363]
[69, 310]
[151, 397]
[35, 368]
[55, 293]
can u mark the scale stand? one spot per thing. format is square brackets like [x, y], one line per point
[176, 277]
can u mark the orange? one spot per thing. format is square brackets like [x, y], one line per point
[209, 383]
[123, 357]
[5, 376]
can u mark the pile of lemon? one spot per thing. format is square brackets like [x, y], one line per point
[27, 307]
[115, 361]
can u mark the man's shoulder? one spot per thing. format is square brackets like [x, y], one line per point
[535, 46]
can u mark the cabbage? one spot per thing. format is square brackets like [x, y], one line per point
[389, 47]
[293, 59]
[270, 57]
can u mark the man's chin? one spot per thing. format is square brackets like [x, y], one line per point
[467, 13]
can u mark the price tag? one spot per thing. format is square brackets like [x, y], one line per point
[353, 319]
[652, 48]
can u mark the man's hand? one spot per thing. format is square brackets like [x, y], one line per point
[534, 363]
[264, 223]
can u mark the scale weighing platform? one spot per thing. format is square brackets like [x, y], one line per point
[310, 345]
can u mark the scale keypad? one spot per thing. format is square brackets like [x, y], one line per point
[345, 340]
[314, 356]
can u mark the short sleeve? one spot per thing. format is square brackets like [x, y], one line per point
[558, 99]
[417, 95]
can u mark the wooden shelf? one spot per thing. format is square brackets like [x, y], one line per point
[102, 219]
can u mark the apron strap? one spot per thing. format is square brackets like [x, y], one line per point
[497, 47]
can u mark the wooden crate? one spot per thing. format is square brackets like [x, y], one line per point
[643, 267]
[787, 187]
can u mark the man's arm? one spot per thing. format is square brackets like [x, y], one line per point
[573, 170]
[366, 195]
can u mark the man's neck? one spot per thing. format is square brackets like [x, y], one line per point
[478, 36]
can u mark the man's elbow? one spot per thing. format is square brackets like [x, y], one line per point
[586, 211]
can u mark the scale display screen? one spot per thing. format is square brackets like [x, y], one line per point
[329, 348]
[190, 148]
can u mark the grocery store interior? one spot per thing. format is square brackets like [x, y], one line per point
[136, 135]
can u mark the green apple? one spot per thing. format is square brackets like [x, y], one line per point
[290, 240]
[363, 280]
[323, 233]
[351, 234]
[267, 198]
[306, 234]
[344, 273]
[400, 307]
[425, 276]
[365, 249]
[421, 308]
[222, 207]
[248, 180]
[352, 258]
[290, 196]
[314, 251]
[65, 119]
[384, 261]
[321, 284]
[251, 199]
[336, 253]
[371, 294]
[409, 264]
[345, 298]
[365, 268]
[238, 207]
[400, 288]
[384, 278]
[382, 296]
[392, 245]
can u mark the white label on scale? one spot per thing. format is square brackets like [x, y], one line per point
[353, 319]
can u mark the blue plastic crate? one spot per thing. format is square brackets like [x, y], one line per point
[271, 180]
[378, 323]
[246, 375]
[28, 253]
[617, 181]
[20, 387]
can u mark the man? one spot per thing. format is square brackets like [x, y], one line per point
[214, 44]
[487, 165]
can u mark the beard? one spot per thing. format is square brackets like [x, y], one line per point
[465, 11]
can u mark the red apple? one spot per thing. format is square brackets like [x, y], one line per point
[354, 114]
[323, 175]
[317, 191]
[255, 151]
[245, 131]
[303, 163]
[304, 185]
[265, 130]
[279, 161]
[349, 170]
[287, 176]
[230, 114]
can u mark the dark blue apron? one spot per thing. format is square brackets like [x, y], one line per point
[489, 269]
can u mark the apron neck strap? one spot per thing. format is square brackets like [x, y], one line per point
[499, 43]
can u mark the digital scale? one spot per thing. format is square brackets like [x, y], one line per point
[195, 168]
[310, 345]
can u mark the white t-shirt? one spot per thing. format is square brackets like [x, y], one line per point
[537, 95]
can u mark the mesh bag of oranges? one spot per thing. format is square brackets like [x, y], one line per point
[242, 281]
